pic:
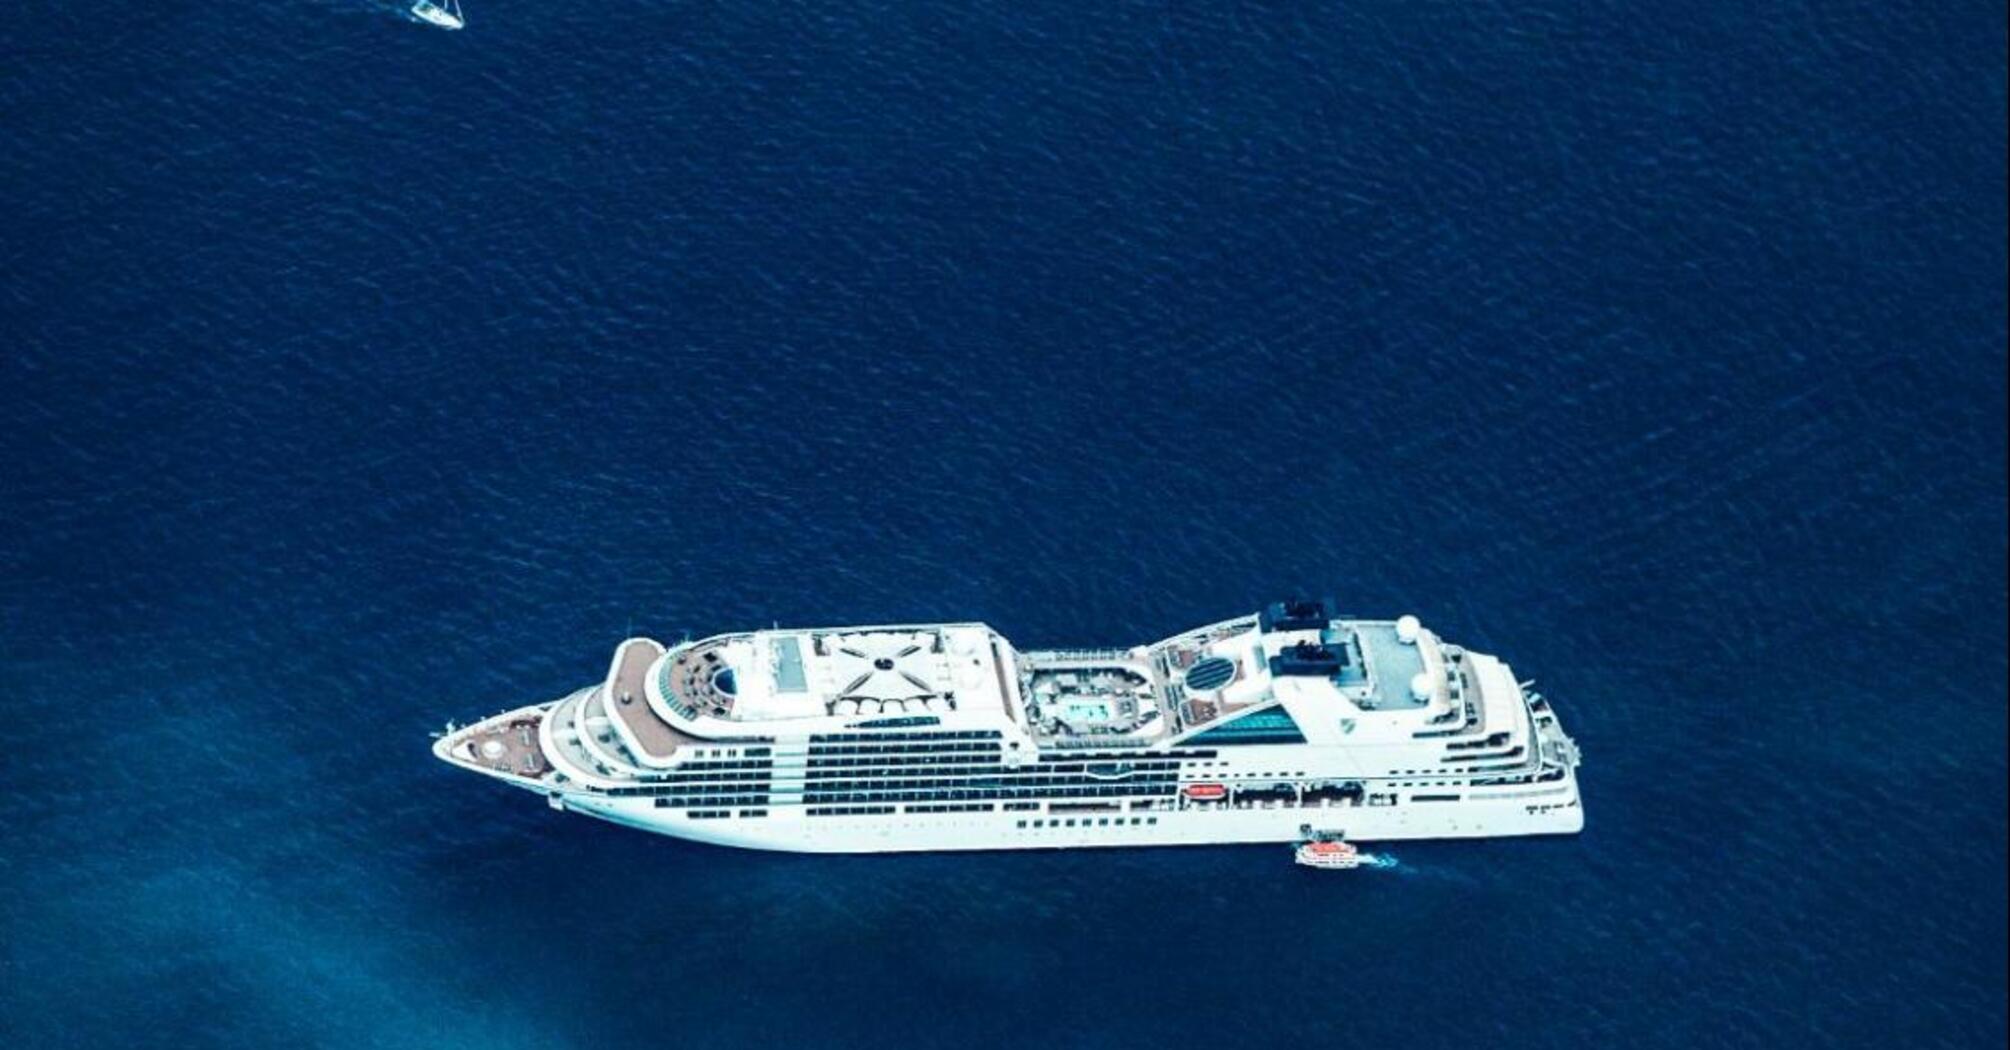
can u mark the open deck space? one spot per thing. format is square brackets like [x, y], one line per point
[508, 747]
[1393, 663]
[1090, 698]
[627, 701]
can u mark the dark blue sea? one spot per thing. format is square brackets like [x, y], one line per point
[356, 375]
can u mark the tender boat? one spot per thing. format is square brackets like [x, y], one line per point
[1206, 792]
[1329, 854]
[443, 13]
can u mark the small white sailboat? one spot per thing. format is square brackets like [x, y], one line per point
[443, 13]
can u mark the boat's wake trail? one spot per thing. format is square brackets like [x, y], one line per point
[1431, 873]
[1380, 860]
[397, 9]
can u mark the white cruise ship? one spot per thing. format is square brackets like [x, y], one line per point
[1278, 727]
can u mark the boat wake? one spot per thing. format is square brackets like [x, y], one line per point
[444, 14]
[1434, 874]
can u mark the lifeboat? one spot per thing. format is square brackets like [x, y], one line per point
[1206, 792]
[1329, 854]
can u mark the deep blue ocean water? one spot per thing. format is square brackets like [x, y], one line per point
[358, 376]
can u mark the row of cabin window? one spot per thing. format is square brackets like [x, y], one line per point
[884, 795]
[981, 779]
[734, 752]
[904, 761]
[898, 761]
[840, 738]
[1099, 822]
[720, 787]
[676, 801]
[823, 752]
[762, 766]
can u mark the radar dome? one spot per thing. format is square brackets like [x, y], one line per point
[1407, 628]
[1420, 685]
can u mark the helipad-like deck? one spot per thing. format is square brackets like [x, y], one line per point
[508, 747]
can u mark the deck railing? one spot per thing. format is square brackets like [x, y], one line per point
[1091, 742]
[1115, 655]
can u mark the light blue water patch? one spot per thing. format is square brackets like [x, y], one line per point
[1087, 711]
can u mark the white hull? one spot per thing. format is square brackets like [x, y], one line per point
[944, 737]
[921, 832]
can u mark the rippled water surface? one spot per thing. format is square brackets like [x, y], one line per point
[359, 375]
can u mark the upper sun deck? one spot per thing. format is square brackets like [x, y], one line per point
[915, 707]
[849, 673]
[1293, 663]
[1307, 664]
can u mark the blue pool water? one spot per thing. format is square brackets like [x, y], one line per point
[359, 376]
[1086, 712]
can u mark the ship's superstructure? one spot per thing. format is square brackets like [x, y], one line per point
[1266, 728]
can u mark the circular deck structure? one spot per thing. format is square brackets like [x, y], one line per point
[1210, 674]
